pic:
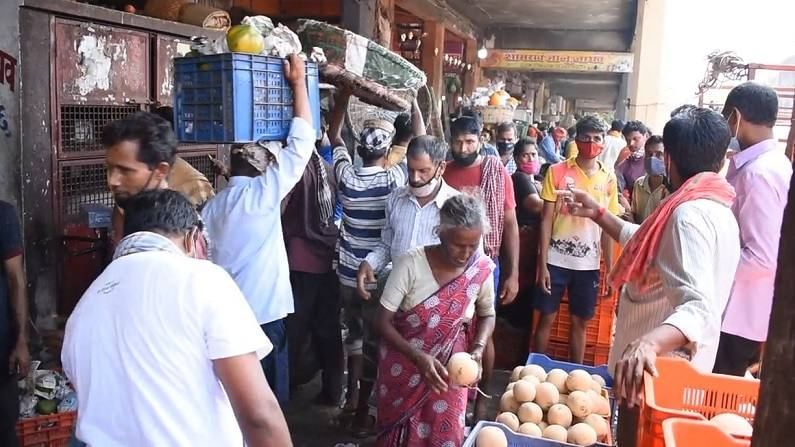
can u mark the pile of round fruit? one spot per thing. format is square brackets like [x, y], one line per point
[561, 406]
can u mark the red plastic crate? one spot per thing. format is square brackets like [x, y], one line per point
[46, 431]
[679, 391]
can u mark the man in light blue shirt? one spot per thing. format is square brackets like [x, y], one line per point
[244, 225]
[549, 149]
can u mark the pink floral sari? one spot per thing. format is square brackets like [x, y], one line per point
[409, 412]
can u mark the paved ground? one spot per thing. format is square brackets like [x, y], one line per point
[316, 426]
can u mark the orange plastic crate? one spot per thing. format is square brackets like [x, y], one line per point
[688, 432]
[680, 391]
[46, 431]
[599, 329]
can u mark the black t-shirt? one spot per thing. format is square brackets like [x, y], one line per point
[10, 247]
[523, 186]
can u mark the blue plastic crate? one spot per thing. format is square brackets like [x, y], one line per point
[516, 439]
[237, 98]
[547, 363]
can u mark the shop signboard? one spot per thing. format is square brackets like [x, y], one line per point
[559, 61]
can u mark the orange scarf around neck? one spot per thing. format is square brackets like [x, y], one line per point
[640, 251]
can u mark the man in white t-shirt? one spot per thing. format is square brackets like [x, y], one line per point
[163, 349]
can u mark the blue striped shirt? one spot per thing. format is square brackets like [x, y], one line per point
[363, 193]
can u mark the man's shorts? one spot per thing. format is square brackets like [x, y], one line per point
[582, 287]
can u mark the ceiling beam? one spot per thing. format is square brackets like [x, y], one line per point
[441, 11]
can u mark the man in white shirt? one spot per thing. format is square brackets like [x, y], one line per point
[614, 142]
[676, 293]
[244, 224]
[162, 348]
[412, 215]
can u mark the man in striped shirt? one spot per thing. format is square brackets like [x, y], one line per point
[363, 193]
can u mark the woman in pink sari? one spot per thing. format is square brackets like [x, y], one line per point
[426, 315]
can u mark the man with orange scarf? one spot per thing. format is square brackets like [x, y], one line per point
[678, 266]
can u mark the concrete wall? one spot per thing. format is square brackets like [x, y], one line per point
[674, 38]
[546, 39]
[9, 104]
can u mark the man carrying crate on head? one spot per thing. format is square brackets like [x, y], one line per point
[244, 223]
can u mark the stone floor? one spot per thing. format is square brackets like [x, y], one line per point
[313, 425]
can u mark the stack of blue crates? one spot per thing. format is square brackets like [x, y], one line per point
[237, 98]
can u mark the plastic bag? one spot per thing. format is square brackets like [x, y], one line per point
[281, 42]
[263, 24]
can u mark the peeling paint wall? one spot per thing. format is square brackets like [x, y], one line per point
[9, 102]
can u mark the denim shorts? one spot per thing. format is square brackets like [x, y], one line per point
[582, 287]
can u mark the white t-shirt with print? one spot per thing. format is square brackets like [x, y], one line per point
[139, 348]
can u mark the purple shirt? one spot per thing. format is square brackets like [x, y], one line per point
[628, 172]
[760, 175]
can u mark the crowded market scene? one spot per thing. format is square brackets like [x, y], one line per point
[397, 223]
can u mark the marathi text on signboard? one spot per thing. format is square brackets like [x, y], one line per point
[565, 61]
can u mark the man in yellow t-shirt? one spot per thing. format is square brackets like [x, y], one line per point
[570, 247]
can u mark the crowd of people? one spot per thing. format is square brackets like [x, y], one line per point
[217, 304]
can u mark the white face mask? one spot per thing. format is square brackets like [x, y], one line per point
[426, 189]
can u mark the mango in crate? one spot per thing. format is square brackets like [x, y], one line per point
[245, 39]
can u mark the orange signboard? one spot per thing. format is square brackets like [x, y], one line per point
[566, 61]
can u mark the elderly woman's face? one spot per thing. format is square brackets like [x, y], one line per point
[459, 244]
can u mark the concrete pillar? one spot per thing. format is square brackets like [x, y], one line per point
[359, 16]
[432, 55]
[470, 57]
[538, 102]
[646, 101]
[10, 184]
[623, 95]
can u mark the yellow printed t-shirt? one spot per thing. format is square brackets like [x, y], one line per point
[576, 241]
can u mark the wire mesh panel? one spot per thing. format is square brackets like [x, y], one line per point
[201, 162]
[82, 183]
[81, 127]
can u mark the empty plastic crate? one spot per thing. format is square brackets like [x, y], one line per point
[237, 98]
[689, 433]
[516, 439]
[682, 392]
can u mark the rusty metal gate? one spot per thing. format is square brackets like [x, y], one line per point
[99, 74]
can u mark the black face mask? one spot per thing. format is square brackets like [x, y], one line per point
[465, 160]
[505, 147]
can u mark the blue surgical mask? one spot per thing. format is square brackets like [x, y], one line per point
[654, 166]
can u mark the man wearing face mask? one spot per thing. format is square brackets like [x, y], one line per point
[470, 170]
[652, 188]
[631, 165]
[506, 138]
[570, 247]
[760, 173]
[141, 154]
